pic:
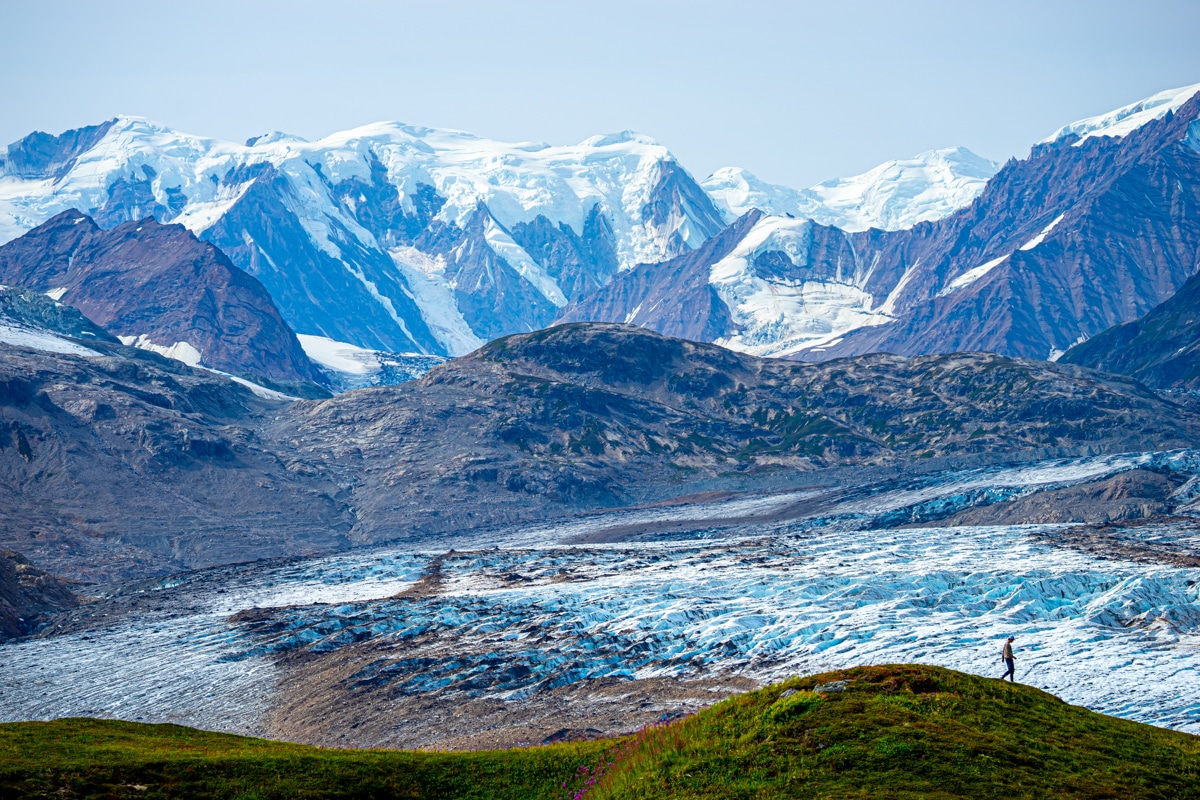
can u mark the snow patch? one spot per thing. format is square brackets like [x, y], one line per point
[972, 275]
[57, 294]
[353, 367]
[1035, 241]
[338, 356]
[180, 351]
[22, 336]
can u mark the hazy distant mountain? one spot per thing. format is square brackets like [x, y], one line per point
[406, 239]
[389, 237]
[401, 239]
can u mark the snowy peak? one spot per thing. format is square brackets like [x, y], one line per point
[1126, 119]
[893, 196]
[383, 218]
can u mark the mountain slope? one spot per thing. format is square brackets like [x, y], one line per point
[1161, 349]
[129, 464]
[587, 416]
[116, 462]
[1083, 235]
[161, 288]
[902, 731]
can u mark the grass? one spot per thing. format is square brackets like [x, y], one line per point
[894, 732]
[78, 758]
[904, 732]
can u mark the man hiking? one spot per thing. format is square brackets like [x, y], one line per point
[1007, 655]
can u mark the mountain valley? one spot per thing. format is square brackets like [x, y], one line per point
[410, 438]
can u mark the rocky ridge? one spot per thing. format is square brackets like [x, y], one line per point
[27, 593]
[162, 289]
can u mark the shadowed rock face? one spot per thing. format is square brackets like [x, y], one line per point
[43, 155]
[673, 297]
[159, 281]
[1162, 349]
[26, 593]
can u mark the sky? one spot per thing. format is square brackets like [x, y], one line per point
[795, 92]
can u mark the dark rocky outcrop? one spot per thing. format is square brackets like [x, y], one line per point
[1134, 495]
[1162, 349]
[161, 282]
[35, 311]
[28, 594]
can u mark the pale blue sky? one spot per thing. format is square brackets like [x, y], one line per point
[796, 92]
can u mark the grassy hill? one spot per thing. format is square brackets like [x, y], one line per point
[896, 732]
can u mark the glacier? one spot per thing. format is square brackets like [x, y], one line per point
[515, 614]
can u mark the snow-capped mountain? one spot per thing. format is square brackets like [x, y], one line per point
[1083, 234]
[892, 196]
[1126, 119]
[388, 236]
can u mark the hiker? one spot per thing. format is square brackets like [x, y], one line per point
[1007, 655]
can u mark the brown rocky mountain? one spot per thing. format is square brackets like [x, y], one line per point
[1091, 233]
[135, 465]
[143, 279]
[1060, 246]
[1162, 349]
